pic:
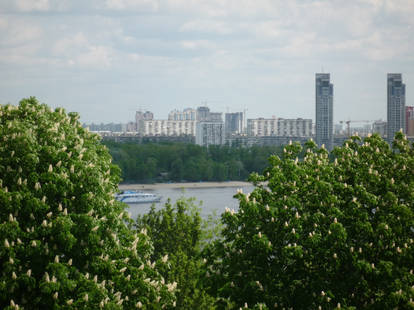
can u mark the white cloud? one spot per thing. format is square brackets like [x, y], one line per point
[401, 6]
[78, 50]
[28, 6]
[18, 32]
[207, 26]
[301, 45]
[134, 57]
[146, 5]
[3, 23]
[197, 44]
[21, 56]
[269, 29]
[32, 5]
[227, 8]
[70, 44]
[20, 41]
[199, 7]
[96, 56]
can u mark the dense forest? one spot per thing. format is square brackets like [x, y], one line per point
[188, 162]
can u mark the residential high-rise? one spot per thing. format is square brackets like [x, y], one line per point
[279, 127]
[409, 121]
[203, 114]
[234, 123]
[168, 128]
[185, 115]
[209, 128]
[395, 104]
[209, 133]
[324, 110]
[140, 118]
[139, 115]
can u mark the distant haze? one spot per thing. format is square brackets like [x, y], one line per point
[107, 59]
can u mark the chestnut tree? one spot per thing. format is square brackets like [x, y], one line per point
[64, 239]
[334, 230]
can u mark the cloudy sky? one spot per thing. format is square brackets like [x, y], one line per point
[107, 59]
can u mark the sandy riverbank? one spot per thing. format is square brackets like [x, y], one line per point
[183, 185]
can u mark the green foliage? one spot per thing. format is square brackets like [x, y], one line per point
[321, 233]
[145, 162]
[64, 243]
[178, 233]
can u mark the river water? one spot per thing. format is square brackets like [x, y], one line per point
[210, 200]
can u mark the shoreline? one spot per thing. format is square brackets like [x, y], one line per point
[134, 186]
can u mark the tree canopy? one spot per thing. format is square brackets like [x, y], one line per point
[64, 240]
[180, 161]
[326, 232]
[179, 232]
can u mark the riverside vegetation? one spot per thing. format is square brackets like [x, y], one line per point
[151, 162]
[333, 230]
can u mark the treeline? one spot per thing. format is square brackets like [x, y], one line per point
[188, 162]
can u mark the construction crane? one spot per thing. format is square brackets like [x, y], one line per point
[348, 126]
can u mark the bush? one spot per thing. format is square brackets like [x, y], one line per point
[64, 242]
[323, 233]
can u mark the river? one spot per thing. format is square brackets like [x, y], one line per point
[211, 199]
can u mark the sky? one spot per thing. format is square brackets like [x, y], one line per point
[107, 59]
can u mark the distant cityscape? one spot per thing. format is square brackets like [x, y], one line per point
[204, 127]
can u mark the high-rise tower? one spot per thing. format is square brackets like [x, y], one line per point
[233, 123]
[395, 104]
[324, 110]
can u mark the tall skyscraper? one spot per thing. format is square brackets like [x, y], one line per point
[395, 104]
[324, 110]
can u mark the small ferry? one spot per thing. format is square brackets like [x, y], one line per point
[137, 197]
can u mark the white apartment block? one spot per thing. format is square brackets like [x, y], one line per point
[262, 127]
[168, 128]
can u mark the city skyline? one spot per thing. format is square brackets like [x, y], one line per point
[192, 109]
[107, 59]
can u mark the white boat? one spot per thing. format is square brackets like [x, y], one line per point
[137, 197]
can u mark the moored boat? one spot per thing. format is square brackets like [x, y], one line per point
[137, 197]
